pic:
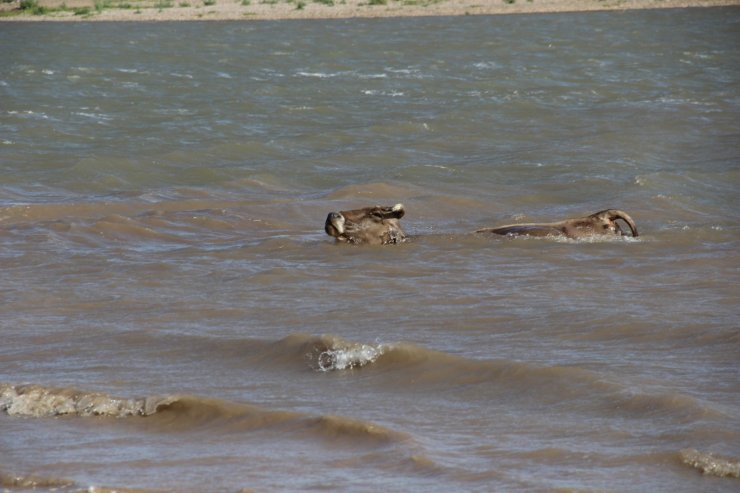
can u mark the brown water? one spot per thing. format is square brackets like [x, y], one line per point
[173, 317]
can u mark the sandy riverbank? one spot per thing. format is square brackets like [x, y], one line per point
[165, 10]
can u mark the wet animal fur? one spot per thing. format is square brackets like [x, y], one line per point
[371, 225]
[600, 223]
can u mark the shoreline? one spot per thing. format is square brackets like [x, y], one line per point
[201, 10]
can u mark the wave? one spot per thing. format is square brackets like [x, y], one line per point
[583, 239]
[352, 74]
[393, 367]
[350, 356]
[677, 406]
[82, 211]
[410, 367]
[145, 226]
[710, 464]
[327, 353]
[177, 413]
[370, 193]
[32, 482]
[10, 482]
[40, 401]
[404, 367]
[295, 352]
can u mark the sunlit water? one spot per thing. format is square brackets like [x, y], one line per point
[173, 317]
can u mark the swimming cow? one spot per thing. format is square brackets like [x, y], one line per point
[372, 225]
[600, 223]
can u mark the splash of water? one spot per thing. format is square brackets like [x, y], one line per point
[344, 356]
[711, 465]
[38, 400]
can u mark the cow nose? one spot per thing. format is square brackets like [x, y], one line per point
[337, 221]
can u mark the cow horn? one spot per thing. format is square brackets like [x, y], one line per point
[617, 214]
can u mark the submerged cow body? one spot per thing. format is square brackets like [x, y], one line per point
[372, 225]
[600, 223]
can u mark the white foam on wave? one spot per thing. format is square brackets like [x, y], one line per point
[406, 73]
[402, 71]
[372, 76]
[711, 465]
[32, 482]
[373, 92]
[100, 117]
[596, 239]
[349, 356]
[583, 239]
[486, 65]
[317, 75]
[329, 75]
[29, 114]
[40, 401]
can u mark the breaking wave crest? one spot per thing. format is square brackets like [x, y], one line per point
[351, 356]
[174, 413]
[40, 401]
[10, 482]
[410, 367]
[24, 482]
[329, 353]
[711, 465]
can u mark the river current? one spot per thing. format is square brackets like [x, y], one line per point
[174, 318]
